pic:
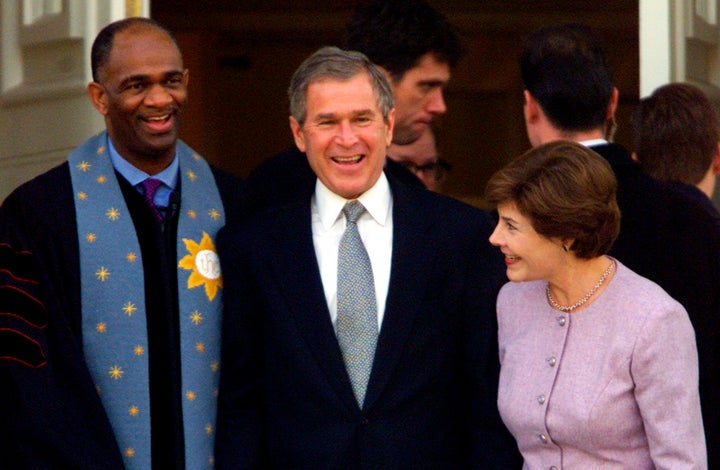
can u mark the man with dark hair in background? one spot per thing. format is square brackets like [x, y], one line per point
[677, 138]
[665, 235]
[416, 47]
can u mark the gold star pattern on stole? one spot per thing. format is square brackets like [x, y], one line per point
[113, 214]
[129, 308]
[102, 274]
[116, 372]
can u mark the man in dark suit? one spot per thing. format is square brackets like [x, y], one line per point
[665, 235]
[397, 369]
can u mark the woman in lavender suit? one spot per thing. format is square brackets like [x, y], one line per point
[599, 365]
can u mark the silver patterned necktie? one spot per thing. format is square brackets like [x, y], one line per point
[357, 324]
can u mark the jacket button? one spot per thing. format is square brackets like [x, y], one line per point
[561, 321]
[541, 399]
[552, 361]
[543, 438]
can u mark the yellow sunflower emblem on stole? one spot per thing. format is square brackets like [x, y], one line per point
[204, 263]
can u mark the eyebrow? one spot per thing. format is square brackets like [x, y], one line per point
[359, 112]
[145, 77]
[433, 82]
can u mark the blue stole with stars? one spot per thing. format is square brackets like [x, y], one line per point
[113, 301]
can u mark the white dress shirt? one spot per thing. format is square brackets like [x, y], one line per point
[593, 142]
[376, 231]
[169, 176]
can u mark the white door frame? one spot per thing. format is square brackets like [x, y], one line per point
[679, 42]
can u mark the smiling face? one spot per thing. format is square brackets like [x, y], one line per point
[529, 256]
[142, 89]
[344, 134]
[419, 98]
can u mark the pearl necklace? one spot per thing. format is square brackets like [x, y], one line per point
[585, 298]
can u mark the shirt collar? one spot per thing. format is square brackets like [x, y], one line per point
[377, 201]
[593, 142]
[135, 176]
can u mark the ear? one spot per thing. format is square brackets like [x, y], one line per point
[298, 134]
[99, 97]
[716, 162]
[566, 242]
[390, 125]
[186, 77]
[634, 157]
[612, 106]
[531, 108]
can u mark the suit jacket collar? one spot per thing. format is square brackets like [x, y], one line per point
[615, 154]
[297, 271]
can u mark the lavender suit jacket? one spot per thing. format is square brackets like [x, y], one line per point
[614, 385]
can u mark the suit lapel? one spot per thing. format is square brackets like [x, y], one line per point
[296, 269]
[412, 259]
[297, 273]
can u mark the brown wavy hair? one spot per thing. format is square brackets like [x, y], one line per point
[567, 191]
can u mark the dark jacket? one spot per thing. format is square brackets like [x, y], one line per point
[52, 414]
[285, 397]
[671, 236]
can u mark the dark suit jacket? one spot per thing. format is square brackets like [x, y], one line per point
[285, 397]
[671, 236]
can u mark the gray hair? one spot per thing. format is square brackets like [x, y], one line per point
[336, 64]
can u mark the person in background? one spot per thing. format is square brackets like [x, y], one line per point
[421, 158]
[665, 235]
[109, 280]
[598, 364]
[416, 46]
[677, 137]
[359, 320]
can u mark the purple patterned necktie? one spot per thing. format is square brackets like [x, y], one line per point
[151, 185]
